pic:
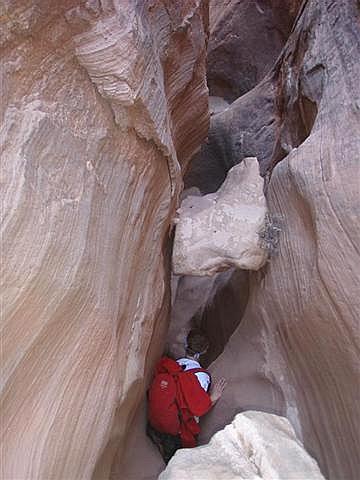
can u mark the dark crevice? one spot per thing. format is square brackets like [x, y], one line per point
[219, 318]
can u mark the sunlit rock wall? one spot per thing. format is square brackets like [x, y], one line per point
[101, 104]
[296, 350]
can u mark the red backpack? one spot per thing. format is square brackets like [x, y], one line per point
[174, 398]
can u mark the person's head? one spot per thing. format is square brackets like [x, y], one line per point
[196, 343]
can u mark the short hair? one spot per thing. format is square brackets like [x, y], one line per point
[196, 342]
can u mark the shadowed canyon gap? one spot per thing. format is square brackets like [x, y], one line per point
[104, 105]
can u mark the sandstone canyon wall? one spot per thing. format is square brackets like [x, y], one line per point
[102, 104]
[296, 350]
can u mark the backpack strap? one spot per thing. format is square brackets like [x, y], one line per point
[200, 370]
[197, 370]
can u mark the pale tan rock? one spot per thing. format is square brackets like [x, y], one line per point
[221, 230]
[92, 143]
[256, 445]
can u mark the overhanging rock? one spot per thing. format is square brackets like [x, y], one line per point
[221, 230]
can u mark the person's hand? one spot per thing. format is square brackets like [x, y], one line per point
[217, 389]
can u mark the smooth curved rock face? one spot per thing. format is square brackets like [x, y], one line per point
[300, 331]
[221, 230]
[255, 446]
[101, 104]
[190, 298]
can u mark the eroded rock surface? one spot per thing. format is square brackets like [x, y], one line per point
[255, 445]
[299, 334]
[102, 104]
[248, 127]
[246, 37]
[272, 118]
[221, 230]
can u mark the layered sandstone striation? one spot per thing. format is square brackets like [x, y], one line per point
[221, 230]
[255, 446]
[103, 104]
[296, 350]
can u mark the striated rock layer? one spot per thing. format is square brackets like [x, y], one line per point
[300, 335]
[255, 446]
[102, 103]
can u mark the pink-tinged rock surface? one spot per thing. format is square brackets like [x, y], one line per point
[101, 105]
[296, 351]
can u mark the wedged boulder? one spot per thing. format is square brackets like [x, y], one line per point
[221, 230]
[102, 104]
[256, 446]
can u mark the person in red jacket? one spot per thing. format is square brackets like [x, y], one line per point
[195, 395]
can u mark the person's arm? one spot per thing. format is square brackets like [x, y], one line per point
[217, 389]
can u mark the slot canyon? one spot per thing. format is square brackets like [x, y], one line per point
[170, 164]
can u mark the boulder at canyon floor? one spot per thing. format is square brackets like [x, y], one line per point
[255, 446]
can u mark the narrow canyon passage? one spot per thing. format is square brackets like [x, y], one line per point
[271, 330]
[169, 164]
